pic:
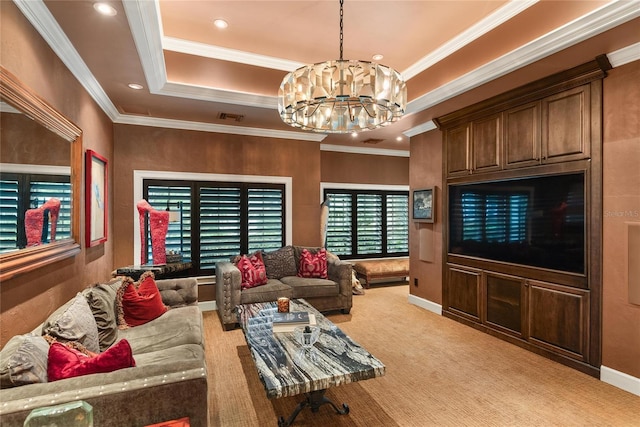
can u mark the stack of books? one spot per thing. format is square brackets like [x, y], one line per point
[287, 322]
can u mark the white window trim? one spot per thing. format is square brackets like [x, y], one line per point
[140, 175]
[39, 169]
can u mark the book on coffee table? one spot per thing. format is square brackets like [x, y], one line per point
[287, 322]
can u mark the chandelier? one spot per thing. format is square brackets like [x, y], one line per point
[342, 96]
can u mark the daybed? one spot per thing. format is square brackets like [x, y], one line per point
[332, 293]
[168, 381]
[381, 269]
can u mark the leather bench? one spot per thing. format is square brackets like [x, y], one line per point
[381, 269]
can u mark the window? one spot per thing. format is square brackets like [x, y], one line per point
[37, 190]
[217, 220]
[368, 223]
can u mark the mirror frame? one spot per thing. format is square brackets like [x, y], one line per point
[14, 92]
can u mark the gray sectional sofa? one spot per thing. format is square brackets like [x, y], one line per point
[334, 293]
[168, 382]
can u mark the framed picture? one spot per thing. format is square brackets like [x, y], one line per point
[96, 203]
[423, 205]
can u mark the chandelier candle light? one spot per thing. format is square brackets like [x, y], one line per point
[342, 96]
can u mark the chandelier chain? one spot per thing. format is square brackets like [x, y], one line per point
[341, 27]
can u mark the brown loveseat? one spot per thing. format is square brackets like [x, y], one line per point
[330, 294]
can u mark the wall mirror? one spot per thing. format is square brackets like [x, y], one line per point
[41, 167]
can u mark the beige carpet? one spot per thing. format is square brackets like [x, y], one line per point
[438, 373]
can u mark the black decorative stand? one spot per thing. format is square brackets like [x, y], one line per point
[314, 400]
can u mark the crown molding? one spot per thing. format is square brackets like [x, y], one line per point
[417, 130]
[364, 150]
[625, 55]
[182, 90]
[492, 21]
[225, 54]
[44, 23]
[128, 119]
[583, 28]
[146, 28]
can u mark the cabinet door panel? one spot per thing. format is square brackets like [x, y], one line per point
[522, 135]
[486, 143]
[505, 299]
[566, 120]
[463, 292]
[458, 151]
[558, 318]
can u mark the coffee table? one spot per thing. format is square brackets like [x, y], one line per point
[287, 369]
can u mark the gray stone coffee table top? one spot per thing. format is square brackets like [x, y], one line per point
[286, 369]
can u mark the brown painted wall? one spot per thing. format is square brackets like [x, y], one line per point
[147, 148]
[364, 168]
[26, 300]
[425, 172]
[23, 141]
[621, 205]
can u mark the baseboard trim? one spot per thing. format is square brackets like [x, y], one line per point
[621, 380]
[426, 304]
[208, 306]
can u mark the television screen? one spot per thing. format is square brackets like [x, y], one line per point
[535, 221]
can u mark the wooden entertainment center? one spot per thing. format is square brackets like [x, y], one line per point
[550, 127]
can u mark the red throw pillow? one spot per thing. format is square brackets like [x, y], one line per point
[141, 303]
[64, 362]
[313, 265]
[252, 270]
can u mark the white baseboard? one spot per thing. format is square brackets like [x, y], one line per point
[620, 379]
[426, 304]
[207, 306]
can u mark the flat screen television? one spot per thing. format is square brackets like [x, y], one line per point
[534, 221]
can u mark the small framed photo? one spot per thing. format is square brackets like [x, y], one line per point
[96, 191]
[423, 204]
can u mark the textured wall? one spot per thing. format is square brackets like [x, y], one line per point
[364, 168]
[621, 205]
[26, 300]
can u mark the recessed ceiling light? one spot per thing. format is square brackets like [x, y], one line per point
[377, 57]
[398, 138]
[221, 23]
[135, 86]
[105, 9]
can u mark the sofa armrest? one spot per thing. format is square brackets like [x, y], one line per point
[178, 292]
[341, 272]
[228, 281]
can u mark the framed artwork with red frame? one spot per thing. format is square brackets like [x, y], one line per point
[96, 199]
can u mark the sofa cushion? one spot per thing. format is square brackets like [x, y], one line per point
[280, 263]
[74, 322]
[273, 290]
[23, 360]
[102, 301]
[313, 265]
[252, 270]
[177, 326]
[309, 288]
[65, 362]
[139, 303]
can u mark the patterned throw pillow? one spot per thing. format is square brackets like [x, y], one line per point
[74, 322]
[65, 362]
[139, 303]
[280, 263]
[313, 265]
[252, 270]
[23, 360]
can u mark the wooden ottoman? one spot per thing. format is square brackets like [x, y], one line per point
[381, 269]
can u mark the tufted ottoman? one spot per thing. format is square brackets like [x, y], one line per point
[381, 269]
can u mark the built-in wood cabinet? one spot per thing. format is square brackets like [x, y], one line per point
[551, 126]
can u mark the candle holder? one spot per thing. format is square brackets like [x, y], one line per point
[283, 305]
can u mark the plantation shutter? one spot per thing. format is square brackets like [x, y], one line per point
[472, 216]
[397, 223]
[265, 211]
[518, 205]
[339, 233]
[369, 223]
[495, 218]
[8, 215]
[220, 224]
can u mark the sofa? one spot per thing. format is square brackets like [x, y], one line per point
[282, 265]
[168, 382]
